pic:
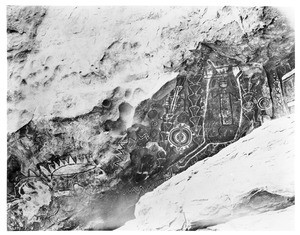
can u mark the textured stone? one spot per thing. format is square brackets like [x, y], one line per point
[107, 103]
[240, 180]
[280, 220]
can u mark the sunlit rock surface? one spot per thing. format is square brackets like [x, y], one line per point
[107, 103]
[231, 190]
[280, 220]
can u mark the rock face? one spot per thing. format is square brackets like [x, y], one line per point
[241, 180]
[279, 220]
[107, 103]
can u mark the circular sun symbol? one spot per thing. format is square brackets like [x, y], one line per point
[180, 136]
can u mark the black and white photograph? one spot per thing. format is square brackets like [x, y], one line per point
[149, 117]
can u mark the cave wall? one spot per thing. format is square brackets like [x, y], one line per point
[84, 142]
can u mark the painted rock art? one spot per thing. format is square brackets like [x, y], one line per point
[106, 138]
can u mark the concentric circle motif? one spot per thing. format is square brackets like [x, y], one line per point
[180, 136]
[248, 103]
[264, 103]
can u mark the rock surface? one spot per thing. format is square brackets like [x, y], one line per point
[57, 54]
[107, 103]
[241, 180]
[280, 220]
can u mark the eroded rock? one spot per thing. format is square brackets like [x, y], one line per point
[106, 104]
[240, 180]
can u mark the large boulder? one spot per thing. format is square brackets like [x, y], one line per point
[279, 220]
[252, 176]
